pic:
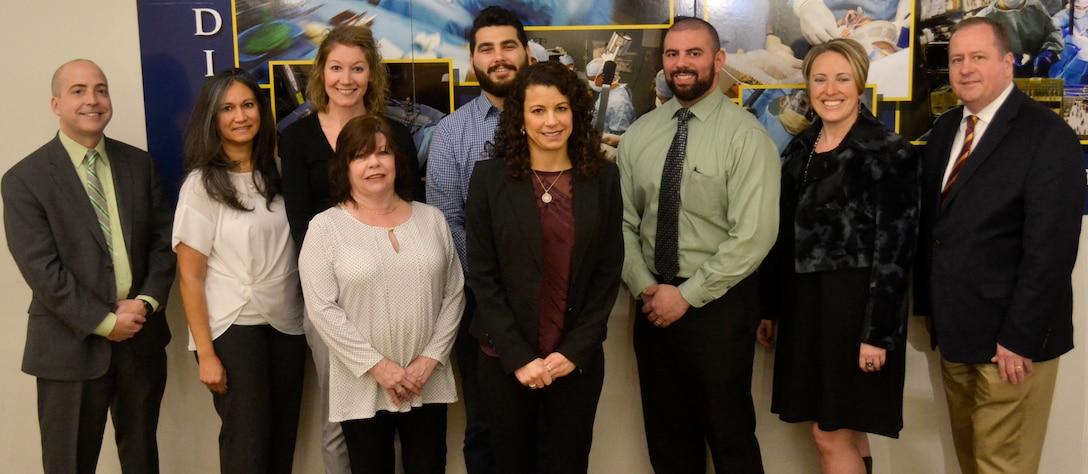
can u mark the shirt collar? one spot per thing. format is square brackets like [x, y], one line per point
[484, 106]
[986, 115]
[77, 152]
[708, 104]
[701, 109]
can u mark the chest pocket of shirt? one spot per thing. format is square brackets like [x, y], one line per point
[702, 194]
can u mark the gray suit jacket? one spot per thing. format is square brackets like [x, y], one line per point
[53, 234]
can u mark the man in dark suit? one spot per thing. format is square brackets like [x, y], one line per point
[1002, 193]
[89, 228]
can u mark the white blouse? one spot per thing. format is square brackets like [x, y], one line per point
[252, 275]
[368, 301]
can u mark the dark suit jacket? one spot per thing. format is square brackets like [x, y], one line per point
[994, 265]
[54, 236]
[505, 262]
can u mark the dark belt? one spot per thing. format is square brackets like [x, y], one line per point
[674, 282]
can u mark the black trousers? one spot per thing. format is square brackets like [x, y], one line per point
[568, 407]
[479, 457]
[260, 410]
[422, 434]
[72, 415]
[696, 383]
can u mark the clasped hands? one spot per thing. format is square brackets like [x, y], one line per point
[130, 319]
[663, 304]
[542, 372]
[403, 383]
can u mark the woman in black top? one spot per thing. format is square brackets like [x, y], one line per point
[838, 275]
[346, 81]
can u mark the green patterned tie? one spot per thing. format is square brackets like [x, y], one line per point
[98, 197]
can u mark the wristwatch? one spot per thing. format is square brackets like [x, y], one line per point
[147, 307]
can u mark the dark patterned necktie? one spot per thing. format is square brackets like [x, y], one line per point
[666, 253]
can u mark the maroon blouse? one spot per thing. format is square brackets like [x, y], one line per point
[557, 223]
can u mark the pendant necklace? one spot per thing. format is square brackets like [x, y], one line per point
[547, 196]
[808, 162]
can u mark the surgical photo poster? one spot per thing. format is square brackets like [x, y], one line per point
[423, 42]
[424, 45]
[1049, 39]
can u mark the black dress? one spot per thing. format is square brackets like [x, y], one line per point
[825, 310]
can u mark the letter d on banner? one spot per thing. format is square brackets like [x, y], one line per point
[200, 31]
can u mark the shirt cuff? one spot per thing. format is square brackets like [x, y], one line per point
[106, 326]
[693, 292]
[153, 301]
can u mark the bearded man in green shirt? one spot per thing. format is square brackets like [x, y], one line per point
[700, 182]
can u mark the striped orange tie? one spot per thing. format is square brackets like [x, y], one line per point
[968, 138]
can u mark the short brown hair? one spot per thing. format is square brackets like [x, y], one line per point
[1001, 33]
[358, 137]
[377, 91]
[849, 49]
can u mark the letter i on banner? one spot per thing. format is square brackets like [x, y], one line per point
[200, 31]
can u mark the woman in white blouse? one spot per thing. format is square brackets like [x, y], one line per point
[384, 289]
[239, 279]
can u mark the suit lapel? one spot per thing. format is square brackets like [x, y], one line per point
[942, 144]
[584, 193]
[122, 190]
[66, 180]
[518, 194]
[995, 132]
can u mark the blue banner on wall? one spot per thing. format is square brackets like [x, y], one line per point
[180, 44]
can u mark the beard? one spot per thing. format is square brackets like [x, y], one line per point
[496, 88]
[703, 83]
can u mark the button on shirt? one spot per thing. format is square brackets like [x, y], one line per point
[457, 143]
[728, 196]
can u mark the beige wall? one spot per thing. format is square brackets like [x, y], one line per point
[40, 35]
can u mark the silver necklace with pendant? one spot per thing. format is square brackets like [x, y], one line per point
[547, 196]
[811, 154]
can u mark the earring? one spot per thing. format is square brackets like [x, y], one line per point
[523, 131]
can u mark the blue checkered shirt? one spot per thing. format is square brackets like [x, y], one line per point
[456, 145]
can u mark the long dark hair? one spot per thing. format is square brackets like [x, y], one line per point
[359, 137]
[204, 143]
[584, 144]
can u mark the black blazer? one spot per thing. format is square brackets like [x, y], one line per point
[505, 263]
[994, 265]
[53, 234]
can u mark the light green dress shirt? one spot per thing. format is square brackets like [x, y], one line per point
[122, 273]
[728, 196]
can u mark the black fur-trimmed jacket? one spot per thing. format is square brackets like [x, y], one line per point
[857, 209]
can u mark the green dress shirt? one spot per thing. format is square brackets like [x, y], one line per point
[728, 196]
[122, 273]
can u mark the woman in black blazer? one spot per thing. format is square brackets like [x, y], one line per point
[544, 258]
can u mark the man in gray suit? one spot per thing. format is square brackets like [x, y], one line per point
[89, 228]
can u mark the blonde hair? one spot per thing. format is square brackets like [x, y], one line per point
[849, 49]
